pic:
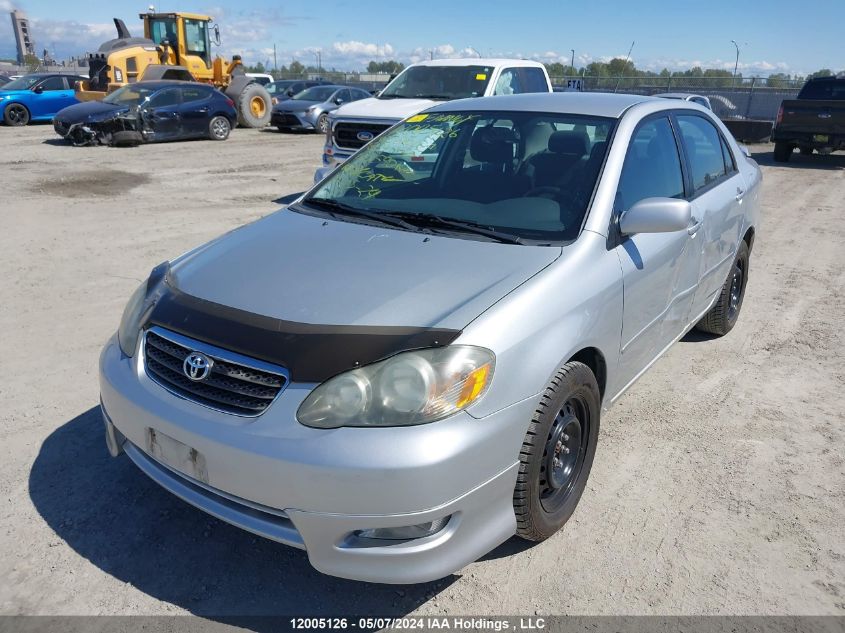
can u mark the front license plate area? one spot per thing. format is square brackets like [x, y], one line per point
[821, 138]
[178, 456]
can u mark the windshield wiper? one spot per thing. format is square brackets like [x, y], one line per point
[434, 221]
[393, 96]
[336, 209]
[439, 97]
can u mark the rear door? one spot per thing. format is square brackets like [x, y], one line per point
[162, 114]
[660, 270]
[195, 110]
[717, 195]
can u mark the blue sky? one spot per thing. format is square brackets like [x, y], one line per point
[774, 36]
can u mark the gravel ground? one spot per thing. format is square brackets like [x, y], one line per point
[718, 486]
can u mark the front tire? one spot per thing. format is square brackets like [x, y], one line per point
[16, 115]
[557, 453]
[323, 123]
[723, 316]
[782, 152]
[219, 128]
[254, 106]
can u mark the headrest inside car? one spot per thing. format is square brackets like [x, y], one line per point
[492, 145]
[566, 142]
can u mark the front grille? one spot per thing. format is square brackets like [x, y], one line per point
[234, 386]
[282, 118]
[346, 133]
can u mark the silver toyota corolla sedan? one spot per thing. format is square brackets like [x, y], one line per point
[408, 365]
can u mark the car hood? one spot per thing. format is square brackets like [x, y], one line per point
[89, 111]
[372, 108]
[301, 268]
[294, 105]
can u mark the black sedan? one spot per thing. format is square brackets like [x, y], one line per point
[149, 112]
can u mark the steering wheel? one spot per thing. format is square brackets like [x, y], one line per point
[542, 192]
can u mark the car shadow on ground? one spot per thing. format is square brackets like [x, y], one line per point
[119, 520]
[797, 161]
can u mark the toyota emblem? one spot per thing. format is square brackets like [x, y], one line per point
[197, 366]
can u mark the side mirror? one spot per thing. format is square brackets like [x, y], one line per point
[38, 90]
[289, 93]
[338, 101]
[656, 215]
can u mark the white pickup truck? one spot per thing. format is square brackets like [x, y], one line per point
[421, 86]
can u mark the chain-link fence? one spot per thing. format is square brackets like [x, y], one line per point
[743, 98]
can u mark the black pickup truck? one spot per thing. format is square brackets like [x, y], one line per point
[815, 120]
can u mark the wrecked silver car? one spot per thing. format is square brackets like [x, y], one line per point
[148, 112]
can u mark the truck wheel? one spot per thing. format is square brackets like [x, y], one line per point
[126, 138]
[723, 316]
[557, 453]
[782, 152]
[219, 128]
[254, 106]
[805, 151]
[16, 115]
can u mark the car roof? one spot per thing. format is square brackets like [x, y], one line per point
[480, 61]
[678, 95]
[602, 104]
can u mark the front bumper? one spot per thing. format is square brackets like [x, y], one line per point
[313, 488]
[292, 120]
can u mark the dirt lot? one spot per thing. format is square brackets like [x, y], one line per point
[718, 487]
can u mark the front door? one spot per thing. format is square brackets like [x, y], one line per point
[161, 114]
[659, 270]
[53, 96]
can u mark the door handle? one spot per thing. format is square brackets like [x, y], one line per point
[692, 229]
[739, 193]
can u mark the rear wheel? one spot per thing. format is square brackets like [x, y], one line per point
[219, 128]
[557, 453]
[16, 115]
[723, 316]
[782, 152]
[254, 106]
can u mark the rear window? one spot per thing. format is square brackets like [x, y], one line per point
[826, 89]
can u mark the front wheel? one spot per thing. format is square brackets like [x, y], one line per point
[16, 115]
[557, 453]
[323, 123]
[219, 128]
[723, 316]
[254, 106]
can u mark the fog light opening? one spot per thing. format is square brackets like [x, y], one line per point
[405, 532]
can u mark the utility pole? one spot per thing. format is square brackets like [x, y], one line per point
[319, 57]
[275, 63]
[624, 67]
[736, 63]
[572, 65]
[431, 54]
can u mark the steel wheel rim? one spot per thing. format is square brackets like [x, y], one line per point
[218, 128]
[563, 456]
[256, 104]
[735, 295]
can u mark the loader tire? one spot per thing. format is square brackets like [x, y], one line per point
[254, 106]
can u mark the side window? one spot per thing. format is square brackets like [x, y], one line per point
[164, 99]
[533, 80]
[652, 166]
[508, 83]
[345, 96]
[703, 145]
[194, 94]
[53, 83]
[730, 164]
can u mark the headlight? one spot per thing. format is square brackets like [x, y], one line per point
[140, 303]
[410, 388]
[311, 110]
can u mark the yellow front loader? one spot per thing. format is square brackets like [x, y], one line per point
[174, 46]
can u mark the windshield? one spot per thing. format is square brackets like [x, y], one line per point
[827, 89]
[528, 174]
[129, 95]
[23, 83]
[439, 82]
[317, 93]
[163, 29]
